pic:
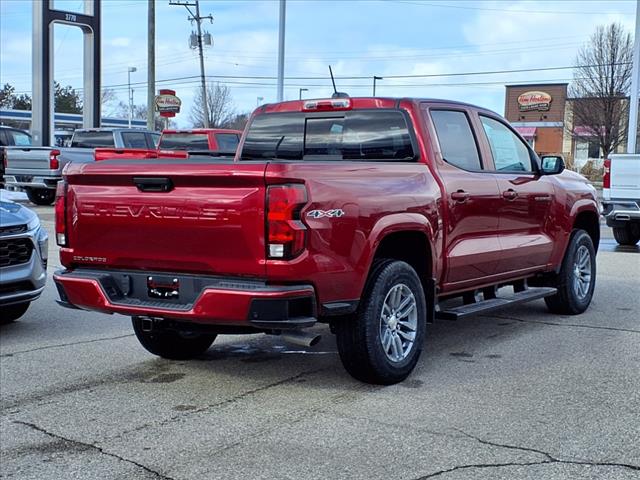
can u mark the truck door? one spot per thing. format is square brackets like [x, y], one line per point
[470, 202]
[526, 229]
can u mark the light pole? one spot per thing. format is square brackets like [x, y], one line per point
[300, 90]
[374, 83]
[258, 100]
[130, 70]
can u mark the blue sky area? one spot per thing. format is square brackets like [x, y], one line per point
[358, 38]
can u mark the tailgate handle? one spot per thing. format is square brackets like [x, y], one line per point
[153, 184]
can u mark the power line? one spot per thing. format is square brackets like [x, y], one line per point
[490, 9]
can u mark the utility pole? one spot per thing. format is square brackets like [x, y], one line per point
[130, 70]
[283, 12]
[198, 19]
[374, 83]
[151, 64]
[635, 86]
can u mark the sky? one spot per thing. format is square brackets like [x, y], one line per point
[359, 38]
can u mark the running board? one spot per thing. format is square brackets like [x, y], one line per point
[527, 295]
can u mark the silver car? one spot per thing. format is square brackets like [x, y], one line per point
[24, 245]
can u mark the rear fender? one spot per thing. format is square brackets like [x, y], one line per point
[393, 223]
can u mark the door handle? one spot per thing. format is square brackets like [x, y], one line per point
[460, 196]
[153, 184]
[510, 194]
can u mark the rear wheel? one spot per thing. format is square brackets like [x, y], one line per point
[10, 313]
[577, 278]
[382, 343]
[172, 344]
[41, 196]
[627, 235]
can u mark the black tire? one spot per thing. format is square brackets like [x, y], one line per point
[41, 196]
[11, 313]
[359, 338]
[568, 301]
[172, 344]
[627, 235]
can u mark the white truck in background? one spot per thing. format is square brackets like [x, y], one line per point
[621, 197]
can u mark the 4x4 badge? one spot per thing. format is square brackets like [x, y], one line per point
[335, 213]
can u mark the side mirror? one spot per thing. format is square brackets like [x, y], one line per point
[552, 164]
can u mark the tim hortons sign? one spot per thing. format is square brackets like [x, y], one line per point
[167, 104]
[535, 100]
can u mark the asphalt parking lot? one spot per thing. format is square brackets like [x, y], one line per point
[519, 394]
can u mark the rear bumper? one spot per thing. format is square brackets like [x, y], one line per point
[618, 212]
[202, 299]
[32, 181]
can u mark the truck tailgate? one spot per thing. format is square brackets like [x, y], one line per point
[625, 176]
[210, 219]
[28, 158]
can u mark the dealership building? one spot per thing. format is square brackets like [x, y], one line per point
[542, 114]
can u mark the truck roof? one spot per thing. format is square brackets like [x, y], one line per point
[356, 103]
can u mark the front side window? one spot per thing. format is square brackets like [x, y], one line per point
[365, 135]
[509, 152]
[457, 144]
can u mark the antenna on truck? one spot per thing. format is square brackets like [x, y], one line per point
[336, 93]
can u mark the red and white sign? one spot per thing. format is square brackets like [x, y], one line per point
[167, 104]
[534, 100]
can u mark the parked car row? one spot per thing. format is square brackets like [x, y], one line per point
[37, 170]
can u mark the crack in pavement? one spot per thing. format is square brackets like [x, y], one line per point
[94, 447]
[594, 327]
[47, 347]
[222, 403]
[550, 459]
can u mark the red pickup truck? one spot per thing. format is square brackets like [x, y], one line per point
[373, 215]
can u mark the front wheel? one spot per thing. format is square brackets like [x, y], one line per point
[577, 278]
[627, 235]
[382, 343]
[172, 344]
[41, 196]
[11, 313]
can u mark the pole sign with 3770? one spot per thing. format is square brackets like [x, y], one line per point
[167, 104]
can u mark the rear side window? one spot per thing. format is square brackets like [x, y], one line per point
[134, 140]
[509, 152]
[92, 139]
[184, 141]
[361, 135]
[227, 142]
[457, 144]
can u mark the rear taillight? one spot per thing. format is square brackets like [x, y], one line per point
[61, 213]
[285, 231]
[606, 175]
[54, 163]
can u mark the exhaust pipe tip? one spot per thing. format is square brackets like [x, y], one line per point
[301, 338]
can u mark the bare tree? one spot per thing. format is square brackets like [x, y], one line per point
[220, 107]
[602, 79]
[138, 112]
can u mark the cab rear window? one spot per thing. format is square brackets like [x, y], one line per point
[92, 139]
[184, 141]
[361, 135]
